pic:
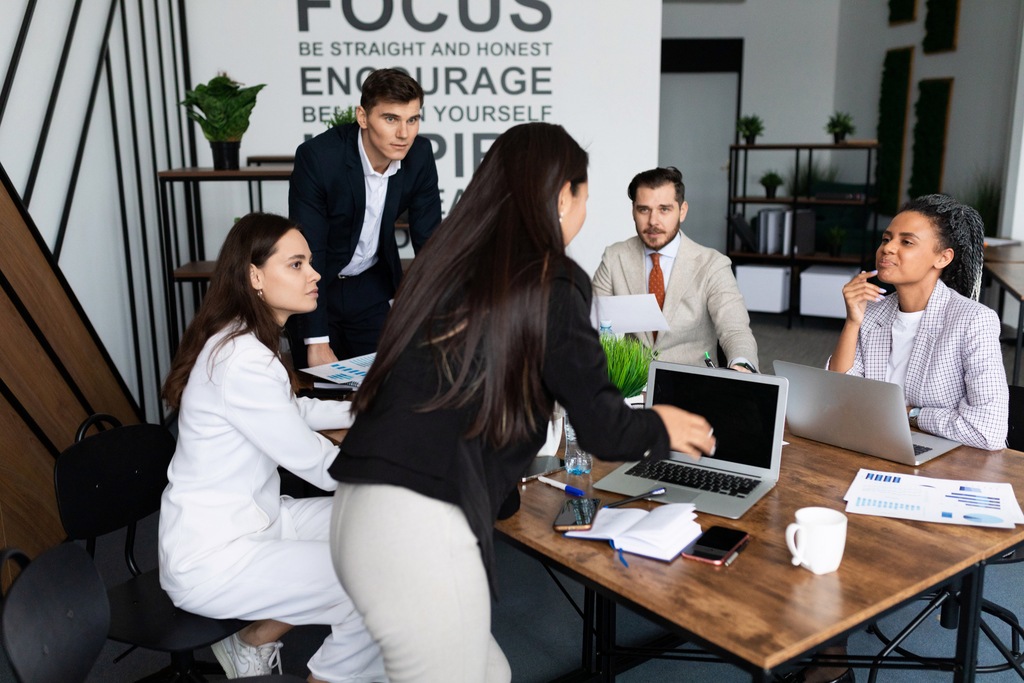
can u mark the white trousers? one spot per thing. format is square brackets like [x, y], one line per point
[292, 580]
[412, 566]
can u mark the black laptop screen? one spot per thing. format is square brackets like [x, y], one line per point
[741, 413]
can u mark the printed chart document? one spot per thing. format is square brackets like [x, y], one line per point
[349, 372]
[661, 533]
[628, 313]
[948, 501]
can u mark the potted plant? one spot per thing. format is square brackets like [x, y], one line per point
[771, 181]
[835, 237]
[750, 128]
[341, 117]
[628, 362]
[221, 108]
[840, 125]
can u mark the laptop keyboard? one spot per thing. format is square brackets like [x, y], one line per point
[671, 472]
[919, 449]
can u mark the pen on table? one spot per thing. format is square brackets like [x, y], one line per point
[571, 490]
[707, 360]
[652, 492]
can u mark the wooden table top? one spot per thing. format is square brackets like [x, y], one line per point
[1009, 275]
[1013, 253]
[762, 609]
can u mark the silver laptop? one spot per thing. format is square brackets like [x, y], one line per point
[857, 413]
[747, 412]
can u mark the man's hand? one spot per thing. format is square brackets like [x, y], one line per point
[319, 354]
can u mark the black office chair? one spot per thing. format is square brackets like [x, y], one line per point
[55, 615]
[110, 481]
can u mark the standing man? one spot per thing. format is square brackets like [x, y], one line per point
[694, 285]
[348, 187]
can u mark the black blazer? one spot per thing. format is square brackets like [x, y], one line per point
[327, 199]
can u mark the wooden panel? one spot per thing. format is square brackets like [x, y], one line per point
[53, 373]
[41, 291]
[28, 507]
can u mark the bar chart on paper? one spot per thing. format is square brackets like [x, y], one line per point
[349, 372]
[884, 494]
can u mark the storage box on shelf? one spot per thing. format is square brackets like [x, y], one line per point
[764, 288]
[821, 290]
[789, 236]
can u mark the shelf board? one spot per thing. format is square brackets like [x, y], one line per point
[803, 201]
[849, 144]
[817, 257]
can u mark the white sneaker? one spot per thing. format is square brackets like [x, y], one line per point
[241, 660]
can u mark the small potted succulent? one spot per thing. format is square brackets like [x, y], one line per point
[750, 128]
[771, 181]
[840, 125]
[341, 116]
[221, 108]
[835, 237]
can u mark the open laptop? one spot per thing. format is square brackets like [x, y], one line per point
[857, 413]
[747, 412]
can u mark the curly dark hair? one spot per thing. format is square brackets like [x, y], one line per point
[960, 228]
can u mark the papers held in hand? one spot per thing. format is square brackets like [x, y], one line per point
[348, 373]
[661, 533]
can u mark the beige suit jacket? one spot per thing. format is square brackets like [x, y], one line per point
[703, 303]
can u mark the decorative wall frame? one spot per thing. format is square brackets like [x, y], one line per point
[932, 114]
[893, 108]
[941, 22]
[902, 11]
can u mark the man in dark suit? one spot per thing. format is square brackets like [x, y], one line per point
[348, 187]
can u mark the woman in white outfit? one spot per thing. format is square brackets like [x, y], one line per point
[231, 546]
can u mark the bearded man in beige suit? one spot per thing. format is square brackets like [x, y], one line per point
[700, 297]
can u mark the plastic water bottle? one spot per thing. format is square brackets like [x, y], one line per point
[606, 328]
[577, 460]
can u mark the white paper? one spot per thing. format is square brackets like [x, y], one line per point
[349, 372]
[661, 533]
[629, 313]
[947, 501]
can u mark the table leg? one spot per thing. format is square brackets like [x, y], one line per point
[589, 611]
[1020, 333]
[969, 629]
[605, 638]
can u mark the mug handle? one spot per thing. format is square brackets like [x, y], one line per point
[791, 542]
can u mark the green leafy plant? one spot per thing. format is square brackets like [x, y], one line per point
[628, 362]
[817, 172]
[221, 107]
[840, 123]
[771, 179]
[750, 127]
[341, 117]
[836, 235]
[985, 194]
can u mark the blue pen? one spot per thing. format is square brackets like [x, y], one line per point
[571, 490]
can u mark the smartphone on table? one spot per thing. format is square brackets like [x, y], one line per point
[719, 545]
[577, 514]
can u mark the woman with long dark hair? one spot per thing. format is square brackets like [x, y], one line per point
[230, 545]
[490, 327]
[931, 336]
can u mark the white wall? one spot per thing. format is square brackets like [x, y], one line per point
[983, 69]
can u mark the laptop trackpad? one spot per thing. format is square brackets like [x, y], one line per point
[674, 495]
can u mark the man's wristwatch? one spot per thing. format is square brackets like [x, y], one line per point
[912, 416]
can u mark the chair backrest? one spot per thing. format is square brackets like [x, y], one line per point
[112, 479]
[55, 615]
[1015, 434]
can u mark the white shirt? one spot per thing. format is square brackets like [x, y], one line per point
[904, 329]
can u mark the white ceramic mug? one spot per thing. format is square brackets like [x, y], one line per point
[817, 539]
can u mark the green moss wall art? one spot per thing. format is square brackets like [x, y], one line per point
[893, 104]
[932, 112]
[902, 11]
[940, 25]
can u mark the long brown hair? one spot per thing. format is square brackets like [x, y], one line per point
[478, 291]
[231, 297]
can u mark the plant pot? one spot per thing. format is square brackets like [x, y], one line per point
[835, 250]
[770, 190]
[839, 138]
[225, 155]
[750, 139]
